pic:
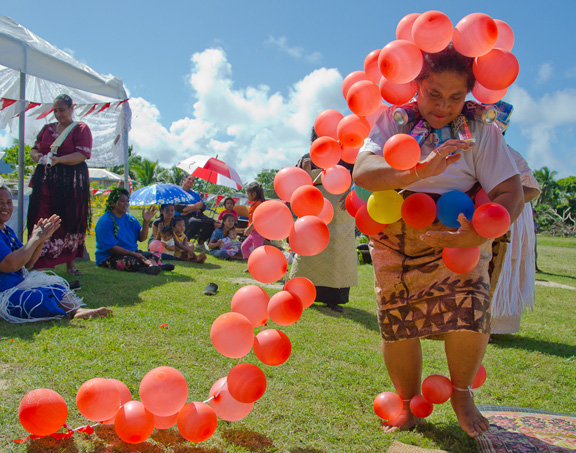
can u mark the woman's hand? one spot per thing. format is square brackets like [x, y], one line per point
[46, 227]
[219, 243]
[465, 236]
[148, 214]
[35, 155]
[439, 159]
[142, 259]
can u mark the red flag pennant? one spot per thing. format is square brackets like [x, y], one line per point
[104, 107]
[45, 114]
[32, 105]
[91, 110]
[7, 103]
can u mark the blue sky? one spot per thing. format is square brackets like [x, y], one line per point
[245, 79]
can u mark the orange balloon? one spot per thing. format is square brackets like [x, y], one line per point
[371, 67]
[125, 396]
[303, 289]
[418, 210]
[327, 213]
[224, 405]
[404, 27]
[365, 223]
[306, 200]
[481, 198]
[420, 406]
[288, 180]
[400, 61]
[232, 335]
[163, 391]
[351, 79]
[486, 96]
[309, 236]
[505, 39]
[397, 93]
[156, 246]
[353, 203]
[401, 151]
[480, 378]
[336, 179]
[326, 123]
[461, 260]
[267, 264]
[246, 383]
[491, 220]
[388, 405]
[325, 152]
[165, 422]
[352, 131]
[475, 35]
[98, 399]
[496, 70]
[272, 347]
[133, 423]
[273, 219]
[349, 155]
[364, 98]
[437, 388]
[432, 31]
[42, 412]
[252, 302]
[197, 422]
[284, 309]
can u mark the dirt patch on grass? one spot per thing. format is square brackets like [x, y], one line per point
[555, 285]
[251, 281]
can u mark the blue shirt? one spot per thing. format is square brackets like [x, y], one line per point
[179, 207]
[9, 242]
[111, 231]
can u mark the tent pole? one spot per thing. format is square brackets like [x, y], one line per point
[21, 151]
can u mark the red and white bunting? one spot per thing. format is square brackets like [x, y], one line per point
[42, 110]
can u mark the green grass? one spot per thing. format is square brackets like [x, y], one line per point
[320, 400]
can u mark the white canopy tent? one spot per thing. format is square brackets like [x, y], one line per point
[32, 73]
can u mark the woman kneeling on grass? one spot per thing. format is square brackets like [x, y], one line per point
[117, 236]
[36, 295]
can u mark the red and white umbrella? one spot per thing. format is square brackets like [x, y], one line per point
[212, 170]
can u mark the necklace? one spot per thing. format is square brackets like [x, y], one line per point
[11, 239]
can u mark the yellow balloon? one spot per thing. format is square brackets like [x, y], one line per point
[385, 206]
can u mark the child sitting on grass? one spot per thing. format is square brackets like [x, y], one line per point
[167, 238]
[183, 250]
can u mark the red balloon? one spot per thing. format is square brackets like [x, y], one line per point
[197, 422]
[461, 260]
[496, 70]
[397, 93]
[404, 27]
[163, 391]
[336, 179]
[327, 213]
[475, 35]
[246, 383]
[232, 335]
[125, 396]
[349, 155]
[505, 36]
[486, 96]
[42, 412]
[432, 31]
[352, 131]
[156, 246]
[481, 198]
[288, 180]
[388, 405]
[491, 220]
[420, 406]
[252, 302]
[437, 388]
[98, 399]
[480, 378]
[351, 79]
[309, 236]
[353, 203]
[371, 67]
[325, 152]
[267, 264]
[273, 219]
[272, 347]
[165, 422]
[284, 309]
[418, 210]
[326, 123]
[401, 151]
[364, 98]
[224, 405]
[133, 423]
[306, 200]
[365, 223]
[400, 61]
[303, 289]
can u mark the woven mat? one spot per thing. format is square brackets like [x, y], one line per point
[399, 447]
[521, 430]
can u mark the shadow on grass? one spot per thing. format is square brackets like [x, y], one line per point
[532, 344]
[251, 440]
[368, 320]
[448, 437]
[548, 274]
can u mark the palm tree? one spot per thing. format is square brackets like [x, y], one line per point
[146, 172]
[548, 186]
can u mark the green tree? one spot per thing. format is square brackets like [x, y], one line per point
[11, 158]
[266, 178]
[146, 172]
[548, 187]
[176, 175]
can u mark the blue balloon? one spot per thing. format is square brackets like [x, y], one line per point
[450, 205]
[362, 193]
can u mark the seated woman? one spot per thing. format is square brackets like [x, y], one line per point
[36, 295]
[117, 236]
[217, 240]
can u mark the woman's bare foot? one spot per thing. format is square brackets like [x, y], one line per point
[73, 271]
[86, 313]
[469, 417]
[403, 422]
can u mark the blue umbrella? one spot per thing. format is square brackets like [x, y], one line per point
[160, 194]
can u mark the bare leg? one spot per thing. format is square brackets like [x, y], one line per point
[464, 352]
[85, 313]
[71, 267]
[403, 361]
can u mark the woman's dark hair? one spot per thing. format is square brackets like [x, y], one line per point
[450, 60]
[225, 216]
[175, 220]
[256, 187]
[65, 99]
[115, 196]
[3, 187]
[226, 199]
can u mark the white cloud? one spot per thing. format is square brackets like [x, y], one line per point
[545, 72]
[298, 53]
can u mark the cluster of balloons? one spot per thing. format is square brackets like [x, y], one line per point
[436, 389]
